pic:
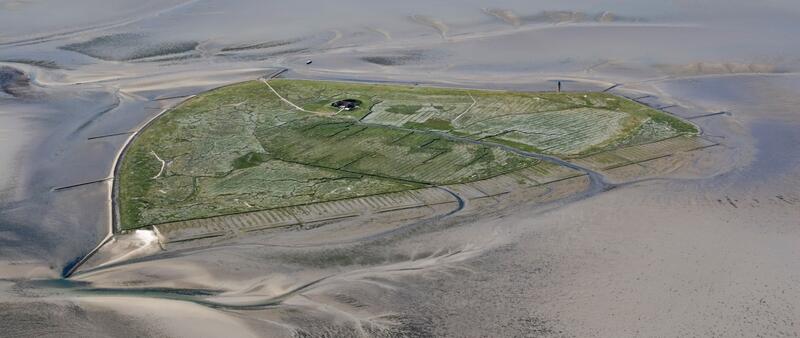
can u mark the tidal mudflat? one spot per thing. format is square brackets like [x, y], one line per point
[179, 168]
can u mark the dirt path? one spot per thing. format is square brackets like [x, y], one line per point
[474, 102]
[266, 82]
[163, 164]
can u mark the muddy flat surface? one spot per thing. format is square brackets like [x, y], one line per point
[701, 241]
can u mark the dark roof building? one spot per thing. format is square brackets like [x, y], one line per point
[347, 104]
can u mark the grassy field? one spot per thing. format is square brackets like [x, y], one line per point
[561, 124]
[241, 148]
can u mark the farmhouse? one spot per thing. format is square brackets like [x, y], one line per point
[347, 104]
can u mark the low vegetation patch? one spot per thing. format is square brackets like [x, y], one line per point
[430, 124]
[241, 148]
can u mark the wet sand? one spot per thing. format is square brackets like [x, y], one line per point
[706, 245]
